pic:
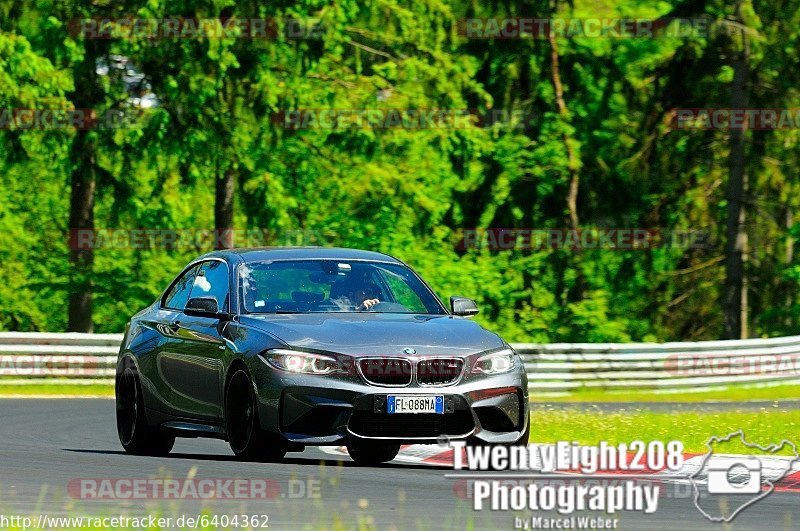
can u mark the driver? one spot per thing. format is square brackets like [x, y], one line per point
[363, 295]
[367, 294]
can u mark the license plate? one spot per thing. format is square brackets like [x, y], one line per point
[415, 404]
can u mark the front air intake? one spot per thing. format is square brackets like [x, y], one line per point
[439, 371]
[394, 372]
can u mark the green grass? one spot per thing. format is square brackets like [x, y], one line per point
[733, 394]
[56, 390]
[589, 426]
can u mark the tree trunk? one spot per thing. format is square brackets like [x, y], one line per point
[88, 95]
[788, 258]
[572, 162]
[788, 220]
[81, 217]
[735, 295]
[223, 209]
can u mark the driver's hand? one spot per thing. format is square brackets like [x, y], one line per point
[367, 304]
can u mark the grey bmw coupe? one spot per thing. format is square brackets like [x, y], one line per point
[275, 349]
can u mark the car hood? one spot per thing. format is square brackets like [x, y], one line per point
[377, 333]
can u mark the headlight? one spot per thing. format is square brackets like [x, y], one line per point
[495, 362]
[302, 362]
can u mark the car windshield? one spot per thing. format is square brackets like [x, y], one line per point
[317, 286]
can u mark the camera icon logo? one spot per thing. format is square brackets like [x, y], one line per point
[751, 474]
[741, 475]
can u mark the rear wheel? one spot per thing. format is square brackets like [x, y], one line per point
[245, 436]
[136, 436]
[372, 453]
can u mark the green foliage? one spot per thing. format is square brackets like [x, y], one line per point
[409, 192]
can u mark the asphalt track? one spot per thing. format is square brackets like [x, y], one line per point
[46, 445]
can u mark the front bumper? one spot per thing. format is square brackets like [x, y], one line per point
[321, 410]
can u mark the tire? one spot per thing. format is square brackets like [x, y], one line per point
[245, 436]
[371, 453]
[135, 434]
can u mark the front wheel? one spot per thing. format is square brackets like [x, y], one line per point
[371, 453]
[136, 436]
[245, 436]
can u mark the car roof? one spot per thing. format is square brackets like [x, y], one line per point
[257, 254]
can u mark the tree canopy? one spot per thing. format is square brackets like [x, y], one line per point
[413, 128]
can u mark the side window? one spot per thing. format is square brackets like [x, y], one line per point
[212, 281]
[178, 295]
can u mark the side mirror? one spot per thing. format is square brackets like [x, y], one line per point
[463, 306]
[202, 307]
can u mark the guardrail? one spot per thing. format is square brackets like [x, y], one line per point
[34, 357]
[661, 366]
[40, 357]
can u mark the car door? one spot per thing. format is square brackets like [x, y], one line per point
[166, 323]
[191, 364]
